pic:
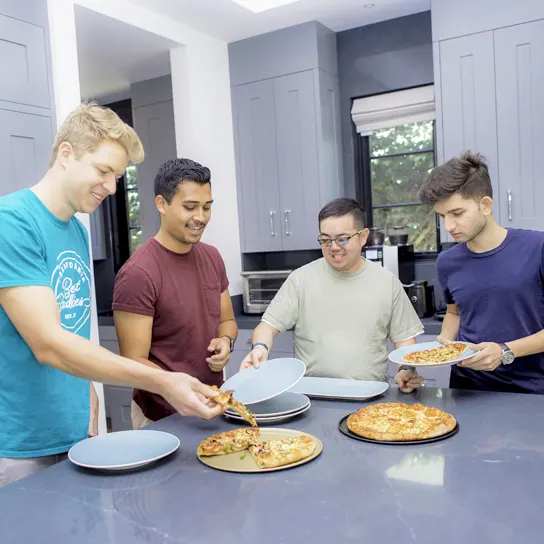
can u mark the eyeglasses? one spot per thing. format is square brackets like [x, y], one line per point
[340, 240]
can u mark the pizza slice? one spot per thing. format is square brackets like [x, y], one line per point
[225, 398]
[277, 453]
[228, 442]
[442, 354]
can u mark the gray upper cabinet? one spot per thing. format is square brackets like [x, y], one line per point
[296, 137]
[286, 112]
[288, 158]
[467, 82]
[519, 67]
[257, 166]
[25, 147]
[23, 71]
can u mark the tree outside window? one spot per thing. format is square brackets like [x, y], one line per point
[133, 208]
[400, 159]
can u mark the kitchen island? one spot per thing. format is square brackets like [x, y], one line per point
[483, 485]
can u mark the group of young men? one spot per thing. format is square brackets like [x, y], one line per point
[173, 312]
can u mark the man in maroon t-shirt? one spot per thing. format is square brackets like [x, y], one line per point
[171, 302]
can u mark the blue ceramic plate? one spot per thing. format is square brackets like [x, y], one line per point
[339, 388]
[272, 378]
[123, 450]
[283, 404]
[397, 355]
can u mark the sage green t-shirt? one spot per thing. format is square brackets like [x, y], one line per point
[342, 321]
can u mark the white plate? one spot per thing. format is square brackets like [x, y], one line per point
[397, 355]
[283, 404]
[123, 450]
[272, 378]
[274, 419]
[339, 388]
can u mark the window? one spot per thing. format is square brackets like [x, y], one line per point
[397, 161]
[133, 209]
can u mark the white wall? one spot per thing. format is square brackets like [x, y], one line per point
[453, 18]
[203, 117]
[62, 30]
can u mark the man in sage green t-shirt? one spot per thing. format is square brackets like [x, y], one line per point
[342, 307]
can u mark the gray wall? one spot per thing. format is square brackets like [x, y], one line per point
[383, 57]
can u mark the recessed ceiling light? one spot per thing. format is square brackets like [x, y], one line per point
[369, 5]
[256, 6]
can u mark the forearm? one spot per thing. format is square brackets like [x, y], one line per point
[228, 328]
[450, 326]
[528, 345]
[79, 357]
[264, 333]
[402, 343]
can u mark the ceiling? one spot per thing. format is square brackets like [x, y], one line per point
[225, 20]
[112, 55]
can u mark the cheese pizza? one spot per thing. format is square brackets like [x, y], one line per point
[442, 354]
[229, 442]
[225, 398]
[277, 453]
[396, 421]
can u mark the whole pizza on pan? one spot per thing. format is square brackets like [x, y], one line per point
[396, 421]
[442, 354]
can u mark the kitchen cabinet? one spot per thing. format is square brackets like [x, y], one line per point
[288, 158]
[25, 149]
[467, 82]
[519, 69]
[491, 87]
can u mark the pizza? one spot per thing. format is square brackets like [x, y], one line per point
[228, 442]
[276, 453]
[442, 354]
[225, 398]
[396, 421]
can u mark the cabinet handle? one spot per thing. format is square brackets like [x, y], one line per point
[272, 233]
[510, 205]
[287, 215]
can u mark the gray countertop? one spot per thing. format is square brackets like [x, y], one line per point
[483, 485]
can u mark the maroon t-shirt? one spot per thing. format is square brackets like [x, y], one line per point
[183, 295]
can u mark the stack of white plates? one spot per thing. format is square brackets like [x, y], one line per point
[281, 408]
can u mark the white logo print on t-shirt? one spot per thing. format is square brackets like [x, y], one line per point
[71, 281]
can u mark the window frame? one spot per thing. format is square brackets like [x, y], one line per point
[363, 183]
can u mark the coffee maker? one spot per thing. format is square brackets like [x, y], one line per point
[421, 295]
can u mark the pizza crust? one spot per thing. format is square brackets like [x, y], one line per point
[395, 422]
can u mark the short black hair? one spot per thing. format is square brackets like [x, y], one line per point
[176, 171]
[467, 175]
[339, 207]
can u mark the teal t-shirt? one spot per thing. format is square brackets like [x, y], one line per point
[43, 411]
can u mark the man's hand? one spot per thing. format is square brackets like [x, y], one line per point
[189, 396]
[444, 340]
[221, 349]
[93, 420]
[408, 380]
[488, 358]
[255, 357]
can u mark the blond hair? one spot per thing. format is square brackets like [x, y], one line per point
[89, 124]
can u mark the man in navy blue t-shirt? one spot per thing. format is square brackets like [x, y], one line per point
[493, 283]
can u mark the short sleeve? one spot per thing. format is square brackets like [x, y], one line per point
[443, 280]
[405, 322]
[134, 292]
[222, 273]
[22, 255]
[282, 312]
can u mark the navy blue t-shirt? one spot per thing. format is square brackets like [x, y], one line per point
[500, 297]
